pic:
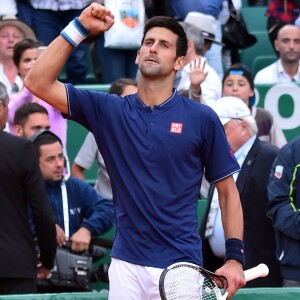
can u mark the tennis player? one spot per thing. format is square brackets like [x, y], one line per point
[155, 145]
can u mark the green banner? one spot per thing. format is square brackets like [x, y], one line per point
[283, 102]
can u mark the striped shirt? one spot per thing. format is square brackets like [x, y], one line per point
[59, 5]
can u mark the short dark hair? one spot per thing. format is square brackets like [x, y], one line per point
[117, 87]
[172, 25]
[22, 46]
[3, 94]
[27, 109]
[44, 137]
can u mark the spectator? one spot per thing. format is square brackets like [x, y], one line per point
[211, 87]
[89, 152]
[238, 82]
[155, 147]
[25, 55]
[229, 55]
[8, 7]
[156, 8]
[48, 19]
[286, 68]
[255, 159]
[80, 212]
[24, 11]
[30, 118]
[283, 209]
[179, 9]
[22, 187]
[120, 63]
[280, 13]
[12, 31]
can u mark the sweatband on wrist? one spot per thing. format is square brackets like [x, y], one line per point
[75, 32]
[235, 250]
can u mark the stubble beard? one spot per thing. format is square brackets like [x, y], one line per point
[150, 71]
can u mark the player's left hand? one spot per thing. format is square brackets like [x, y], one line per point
[96, 18]
[233, 271]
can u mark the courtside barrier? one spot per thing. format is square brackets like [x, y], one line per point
[242, 294]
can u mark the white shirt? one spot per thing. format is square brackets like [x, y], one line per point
[211, 87]
[6, 82]
[8, 7]
[275, 73]
[85, 158]
[9, 87]
[59, 5]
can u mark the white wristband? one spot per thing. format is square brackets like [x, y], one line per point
[75, 32]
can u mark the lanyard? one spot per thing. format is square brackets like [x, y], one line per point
[65, 208]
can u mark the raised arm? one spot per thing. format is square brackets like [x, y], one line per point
[42, 77]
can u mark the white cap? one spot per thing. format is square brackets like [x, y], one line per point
[228, 108]
[206, 23]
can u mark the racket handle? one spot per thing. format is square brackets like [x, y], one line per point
[261, 270]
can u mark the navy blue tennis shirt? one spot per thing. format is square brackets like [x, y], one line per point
[155, 159]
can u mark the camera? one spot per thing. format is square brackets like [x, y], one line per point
[74, 272]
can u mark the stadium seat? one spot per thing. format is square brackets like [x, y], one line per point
[262, 61]
[260, 54]
[262, 48]
[255, 18]
[245, 3]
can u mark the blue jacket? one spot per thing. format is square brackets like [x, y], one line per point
[284, 206]
[180, 8]
[86, 208]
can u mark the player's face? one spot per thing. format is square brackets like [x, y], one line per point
[34, 123]
[28, 58]
[157, 55]
[237, 86]
[52, 161]
[288, 44]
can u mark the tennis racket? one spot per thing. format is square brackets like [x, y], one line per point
[187, 281]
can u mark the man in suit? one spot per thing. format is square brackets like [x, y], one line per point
[22, 187]
[255, 158]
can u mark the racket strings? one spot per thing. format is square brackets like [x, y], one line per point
[186, 283]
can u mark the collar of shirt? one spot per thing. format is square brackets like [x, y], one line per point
[281, 72]
[242, 152]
